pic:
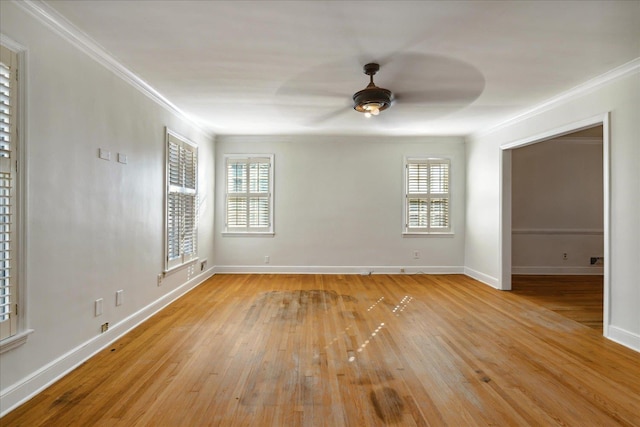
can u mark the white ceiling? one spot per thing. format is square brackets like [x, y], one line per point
[288, 67]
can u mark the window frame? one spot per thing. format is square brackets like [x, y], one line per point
[426, 231]
[183, 192]
[248, 230]
[21, 331]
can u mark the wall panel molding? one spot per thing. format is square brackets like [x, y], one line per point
[559, 231]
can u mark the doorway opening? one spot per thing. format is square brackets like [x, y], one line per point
[555, 222]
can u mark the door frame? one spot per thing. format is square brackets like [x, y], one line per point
[504, 281]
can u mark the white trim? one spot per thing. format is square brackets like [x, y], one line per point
[248, 234]
[416, 232]
[14, 341]
[178, 267]
[22, 146]
[16, 394]
[556, 133]
[624, 337]
[559, 231]
[246, 231]
[551, 103]
[13, 45]
[606, 185]
[505, 199]
[559, 271]
[428, 234]
[505, 223]
[170, 189]
[64, 28]
[481, 277]
[332, 269]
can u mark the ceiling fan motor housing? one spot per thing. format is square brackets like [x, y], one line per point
[372, 95]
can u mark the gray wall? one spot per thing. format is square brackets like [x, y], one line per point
[483, 251]
[93, 226]
[338, 206]
[557, 206]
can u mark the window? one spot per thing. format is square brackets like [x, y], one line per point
[8, 179]
[249, 194]
[427, 197]
[182, 201]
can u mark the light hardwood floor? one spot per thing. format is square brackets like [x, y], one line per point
[577, 297]
[321, 350]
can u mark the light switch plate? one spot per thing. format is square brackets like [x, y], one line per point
[98, 307]
[119, 295]
[122, 158]
[104, 154]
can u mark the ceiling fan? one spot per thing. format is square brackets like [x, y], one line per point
[372, 99]
[425, 86]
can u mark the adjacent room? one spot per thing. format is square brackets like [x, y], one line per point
[297, 213]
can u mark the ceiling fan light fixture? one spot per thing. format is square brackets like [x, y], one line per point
[372, 99]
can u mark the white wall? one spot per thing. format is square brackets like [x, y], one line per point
[482, 250]
[338, 206]
[93, 226]
[557, 206]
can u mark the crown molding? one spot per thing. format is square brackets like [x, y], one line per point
[577, 91]
[64, 28]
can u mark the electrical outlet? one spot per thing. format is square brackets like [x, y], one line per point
[119, 295]
[160, 276]
[98, 307]
[267, 259]
[416, 254]
[564, 256]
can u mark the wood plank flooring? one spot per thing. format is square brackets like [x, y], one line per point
[335, 350]
[577, 297]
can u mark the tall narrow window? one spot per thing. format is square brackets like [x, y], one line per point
[8, 164]
[249, 194]
[182, 201]
[427, 207]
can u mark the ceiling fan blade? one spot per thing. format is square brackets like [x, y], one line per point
[443, 76]
[450, 96]
[390, 57]
[307, 91]
[329, 116]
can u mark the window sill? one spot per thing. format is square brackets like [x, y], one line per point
[432, 234]
[248, 234]
[15, 341]
[180, 266]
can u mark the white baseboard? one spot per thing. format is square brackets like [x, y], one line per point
[481, 277]
[15, 395]
[333, 269]
[624, 337]
[568, 271]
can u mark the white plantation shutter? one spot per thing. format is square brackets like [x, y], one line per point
[8, 97]
[427, 196]
[182, 195]
[249, 198]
